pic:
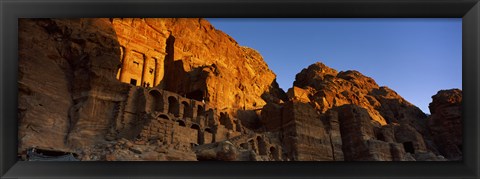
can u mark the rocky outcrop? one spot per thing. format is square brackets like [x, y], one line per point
[334, 115]
[326, 88]
[223, 151]
[178, 89]
[445, 122]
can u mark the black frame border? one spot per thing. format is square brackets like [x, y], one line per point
[11, 10]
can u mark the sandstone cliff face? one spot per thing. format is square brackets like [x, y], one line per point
[70, 100]
[325, 88]
[178, 89]
[445, 123]
[334, 115]
[190, 57]
[67, 86]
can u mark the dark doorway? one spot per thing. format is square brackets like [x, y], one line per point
[408, 146]
[133, 81]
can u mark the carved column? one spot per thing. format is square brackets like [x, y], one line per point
[126, 55]
[158, 72]
[143, 70]
[154, 72]
[122, 57]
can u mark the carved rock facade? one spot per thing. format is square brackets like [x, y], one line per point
[178, 89]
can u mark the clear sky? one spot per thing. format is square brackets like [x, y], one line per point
[415, 57]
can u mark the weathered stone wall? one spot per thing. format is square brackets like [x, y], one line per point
[64, 107]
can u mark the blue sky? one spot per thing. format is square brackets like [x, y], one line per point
[415, 57]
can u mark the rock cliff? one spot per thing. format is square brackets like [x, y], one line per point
[445, 123]
[179, 89]
[195, 60]
[67, 87]
[332, 115]
[326, 88]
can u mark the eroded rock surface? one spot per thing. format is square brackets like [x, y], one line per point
[445, 123]
[334, 115]
[178, 89]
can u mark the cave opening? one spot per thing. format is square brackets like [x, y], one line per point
[408, 146]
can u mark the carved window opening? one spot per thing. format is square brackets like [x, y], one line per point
[136, 63]
[274, 153]
[181, 123]
[155, 101]
[225, 121]
[163, 117]
[408, 146]
[173, 106]
[200, 111]
[251, 143]
[210, 115]
[199, 136]
[209, 131]
[133, 82]
[272, 150]
[187, 110]
[262, 148]
[238, 126]
[195, 126]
